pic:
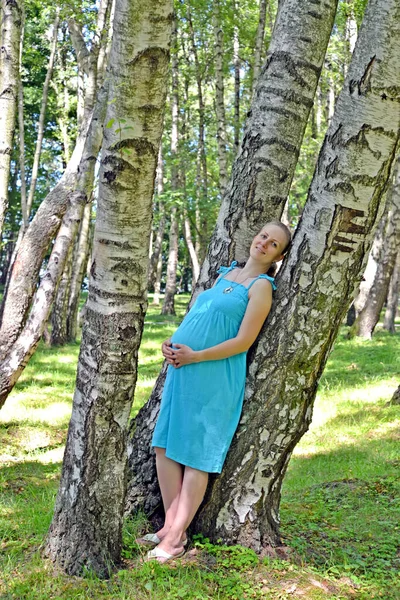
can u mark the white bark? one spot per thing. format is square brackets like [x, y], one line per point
[219, 97]
[19, 354]
[369, 316]
[86, 530]
[41, 124]
[314, 288]
[393, 298]
[259, 42]
[9, 69]
[260, 183]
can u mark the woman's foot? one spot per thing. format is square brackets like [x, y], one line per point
[172, 546]
[154, 539]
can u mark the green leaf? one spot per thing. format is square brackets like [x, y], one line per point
[110, 123]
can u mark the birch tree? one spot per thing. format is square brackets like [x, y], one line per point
[219, 97]
[11, 14]
[369, 316]
[86, 531]
[260, 181]
[393, 298]
[77, 179]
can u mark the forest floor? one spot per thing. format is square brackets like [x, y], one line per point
[340, 508]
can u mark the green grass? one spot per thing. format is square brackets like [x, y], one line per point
[340, 508]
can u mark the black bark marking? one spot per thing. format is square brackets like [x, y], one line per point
[126, 265]
[314, 14]
[153, 55]
[93, 269]
[93, 290]
[363, 85]
[305, 39]
[342, 243]
[331, 169]
[282, 173]
[123, 245]
[289, 114]
[360, 139]
[342, 186]
[335, 139]
[291, 96]
[140, 145]
[292, 66]
[280, 142]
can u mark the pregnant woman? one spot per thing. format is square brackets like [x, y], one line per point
[204, 388]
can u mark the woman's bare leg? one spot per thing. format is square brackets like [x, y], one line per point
[192, 493]
[170, 476]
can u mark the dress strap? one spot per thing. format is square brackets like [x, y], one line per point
[267, 277]
[225, 270]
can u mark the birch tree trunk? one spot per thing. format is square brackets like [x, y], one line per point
[393, 298]
[88, 63]
[79, 267]
[236, 67]
[369, 316]
[396, 397]
[153, 266]
[86, 531]
[157, 283]
[39, 141]
[46, 222]
[259, 42]
[260, 183]
[314, 288]
[20, 352]
[168, 307]
[219, 97]
[9, 67]
[371, 268]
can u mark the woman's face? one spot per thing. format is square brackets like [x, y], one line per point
[269, 244]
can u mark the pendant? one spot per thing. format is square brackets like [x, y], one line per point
[228, 290]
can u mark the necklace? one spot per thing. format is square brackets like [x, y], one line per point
[230, 288]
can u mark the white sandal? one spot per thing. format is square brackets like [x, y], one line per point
[157, 553]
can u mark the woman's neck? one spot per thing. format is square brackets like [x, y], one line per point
[253, 268]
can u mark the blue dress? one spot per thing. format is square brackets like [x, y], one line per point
[202, 402]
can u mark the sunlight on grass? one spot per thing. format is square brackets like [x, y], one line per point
[340, 499]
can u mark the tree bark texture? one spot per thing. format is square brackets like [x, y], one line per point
[396, 397]
[58, 335]
[219, 97]
[86, 531]
[314, 290]
[161, 225]
[19, 354]
[79, 268]
[259, 42]
[393, 298]
[260, 181]
[201, 171]
[236, 68]
[168, 307]
[43, 106]
[45, 225]
[369, 316]
[9, 66]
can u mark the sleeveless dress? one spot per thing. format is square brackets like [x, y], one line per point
[202, 402]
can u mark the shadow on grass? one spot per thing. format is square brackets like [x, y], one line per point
[356, 362]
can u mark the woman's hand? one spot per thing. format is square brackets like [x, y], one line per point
[183, 355]
[166, 349]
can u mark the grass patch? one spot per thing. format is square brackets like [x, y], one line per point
[340, 507]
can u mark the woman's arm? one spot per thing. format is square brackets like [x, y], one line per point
[260, 301]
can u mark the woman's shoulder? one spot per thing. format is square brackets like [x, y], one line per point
[222, 270]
